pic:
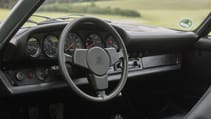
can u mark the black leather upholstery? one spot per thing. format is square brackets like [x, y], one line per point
[202, 110]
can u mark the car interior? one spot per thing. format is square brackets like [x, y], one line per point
[90, 68]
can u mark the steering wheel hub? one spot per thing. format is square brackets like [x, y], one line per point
[98, 60]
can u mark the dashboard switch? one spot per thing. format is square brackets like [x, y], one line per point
[42, 73]
[20, 76]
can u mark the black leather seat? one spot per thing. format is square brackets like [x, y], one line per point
[202, 110]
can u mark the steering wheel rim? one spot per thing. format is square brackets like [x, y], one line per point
[62, 61]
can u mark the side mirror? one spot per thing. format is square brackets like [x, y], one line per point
[186, 23]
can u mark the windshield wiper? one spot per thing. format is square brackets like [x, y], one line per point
[58, 19]
[40, 16]
[54, 20]
[49, 20]
[32, 21]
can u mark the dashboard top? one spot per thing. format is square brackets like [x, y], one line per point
[136, 37]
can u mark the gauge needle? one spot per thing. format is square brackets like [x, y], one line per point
[91, 45]
[69, 46]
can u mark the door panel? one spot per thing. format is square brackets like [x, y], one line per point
[197, 68]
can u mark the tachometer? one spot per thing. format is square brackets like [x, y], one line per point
[50, 46]
[72, 42]
[110, 42]
[33, 47]
[94, 40]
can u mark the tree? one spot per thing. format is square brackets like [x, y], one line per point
[10, 3]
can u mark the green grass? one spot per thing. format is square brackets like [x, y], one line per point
[171, 18]
[88, 9]
[154, 4]
[165, 13]
[3, 13]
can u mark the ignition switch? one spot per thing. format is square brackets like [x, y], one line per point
[42, 73]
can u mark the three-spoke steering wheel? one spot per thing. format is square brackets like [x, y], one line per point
[97, 60]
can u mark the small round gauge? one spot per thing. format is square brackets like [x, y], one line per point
[42, 73]
[94, 40]
[72, 42]
[50, 46]
[33, 47]
[111, 43]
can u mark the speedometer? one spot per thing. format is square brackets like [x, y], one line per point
[50, 46]
[94, 40]
[33, 47]
[72, 42]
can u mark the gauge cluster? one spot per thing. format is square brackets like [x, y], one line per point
[47, 45]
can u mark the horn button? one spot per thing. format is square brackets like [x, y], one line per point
[98, 61]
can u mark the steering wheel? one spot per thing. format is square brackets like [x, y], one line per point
[96, 59]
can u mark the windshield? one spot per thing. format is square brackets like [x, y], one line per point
[175, 14]
[5, 6]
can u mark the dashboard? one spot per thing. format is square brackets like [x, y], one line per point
[31, 63]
